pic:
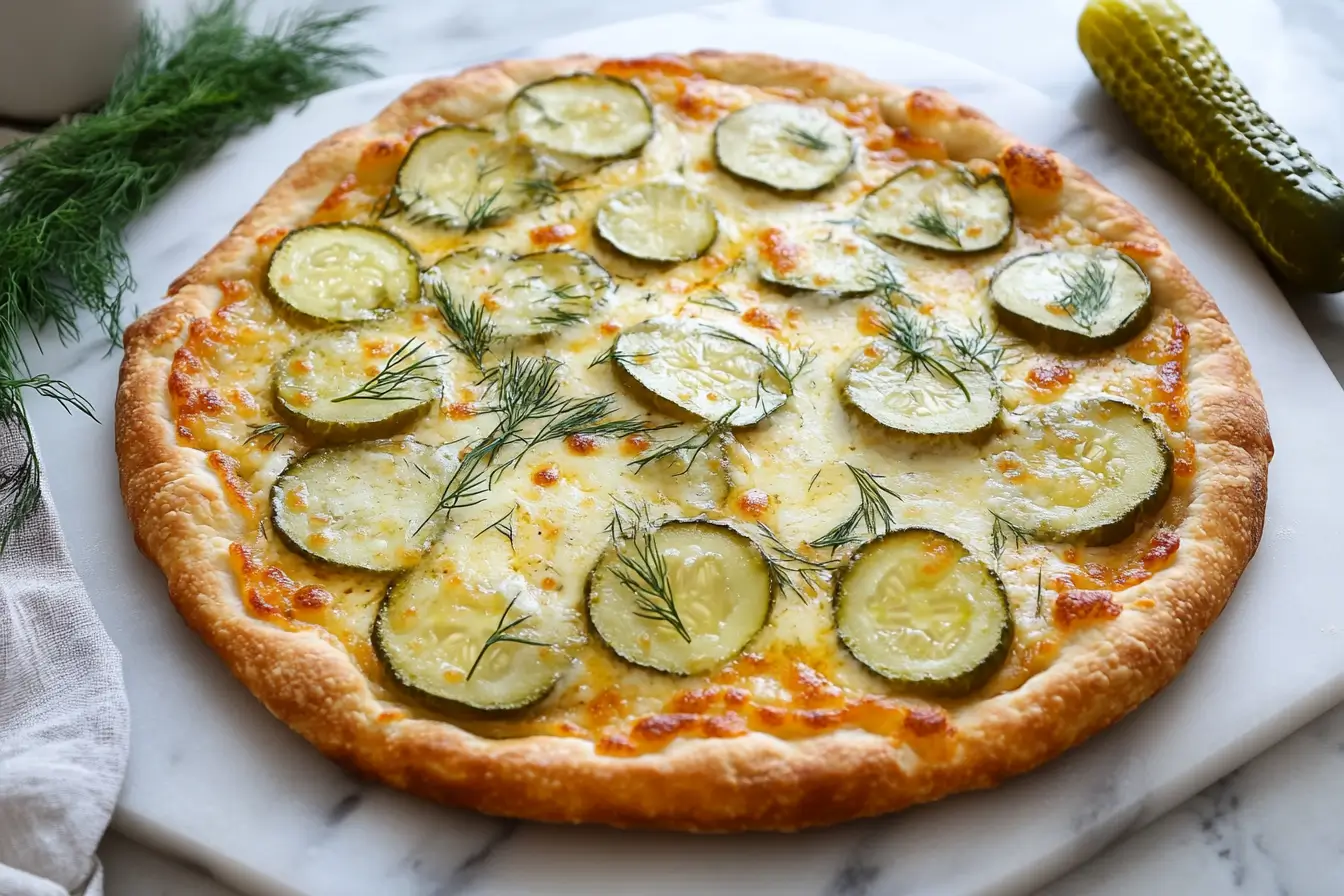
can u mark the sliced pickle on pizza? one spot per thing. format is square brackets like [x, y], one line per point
[369, 505]
[682, 597]
[526, 295]
[583, 115]
[1083, 472]
[359, 382]
[1073, 300]
[686, 367]
[459, 177]
[342, 273]
[659, 221]
[464, 629]
[916, 607]
[921, 395]
[941, 205]
[825, 259]
[783, 146]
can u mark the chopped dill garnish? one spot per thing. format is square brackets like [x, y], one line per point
[547, 118]
[936, 223]
[611, 355]
[471, 330]
[1004, 531]
[806, 139]
[787, 362]
[544, 191]
[1087, 294]
[567, 304]
[503, 525]
[977, 345]
[873, 514]
[886, 281]
[1040, 596]
[501, 633]
[790, 571]
[67, 195]
[641, 567]
[269, 434]
[401, 372]
[695, 443]
[714, 299]
[911, 336]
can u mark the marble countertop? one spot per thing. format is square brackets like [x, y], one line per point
[1270, 827]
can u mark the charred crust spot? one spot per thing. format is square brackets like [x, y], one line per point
[1030, 172]
[925, 721]
[311, 597]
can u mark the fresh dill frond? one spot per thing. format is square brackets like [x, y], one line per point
[401, 372]
[787, 362]
[544, 192]
[566, 304]
[790, 571]
[269, 434]
[547, 118]
[812, 140]
[471, 330]
[1086, 294]
[873, 515]
[503, 525]
[1040, 594]
[1004, 531]
[67, 195]
[700, 439]
[714, 299]
[502, 633]
[610, 355]
[977, 345]
[886, 281]
[913, 339]
[481, 208]
[590, 416]
[937, 223]
[641, 567]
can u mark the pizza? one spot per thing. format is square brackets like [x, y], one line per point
[709, 442]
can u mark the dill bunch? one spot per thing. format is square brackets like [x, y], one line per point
[66, 196]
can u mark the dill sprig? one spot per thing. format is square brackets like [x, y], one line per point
[641, 567]
[503, 525]
[790, 571]
[566, 304]
[481, 208]
[471, 330]
[787, 362]
[502, 633]
[547, 118]
[912, 337]
[611, 355]
[546, 191]
[269, 434]
[714, 298]
[1040, 595]
[1004, 531]
[886, 281]
[690, 447]
[806, 139]
[937, 223]
[67, 195]
[402, 371]
[978, 345]
[1086, 294]
[873, 514]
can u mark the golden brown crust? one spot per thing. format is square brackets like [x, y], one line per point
[183, 521]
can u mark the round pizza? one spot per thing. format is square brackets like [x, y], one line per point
[709, 442]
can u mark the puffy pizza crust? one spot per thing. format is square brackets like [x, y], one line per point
[184, 521]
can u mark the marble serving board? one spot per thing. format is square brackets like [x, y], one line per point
[216, 780]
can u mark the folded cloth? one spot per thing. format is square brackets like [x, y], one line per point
[64, 722]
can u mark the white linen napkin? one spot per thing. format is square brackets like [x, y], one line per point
[64, 721]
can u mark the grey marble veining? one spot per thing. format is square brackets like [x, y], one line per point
[1271, 827]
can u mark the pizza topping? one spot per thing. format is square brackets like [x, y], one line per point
[941, 205]
[525, 295]
[462, 178]
[708, 372]
[681, 597]
[659, 221]
[589, 116]
[1084, 472]
[783, 146]
[825, 259]
[1073, 299]
[368, 506]
[915, 606]
[462, 628]
[357, 382]
[342, 272]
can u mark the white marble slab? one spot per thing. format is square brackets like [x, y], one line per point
[199, 791]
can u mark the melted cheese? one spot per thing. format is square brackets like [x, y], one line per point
[795, 679]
